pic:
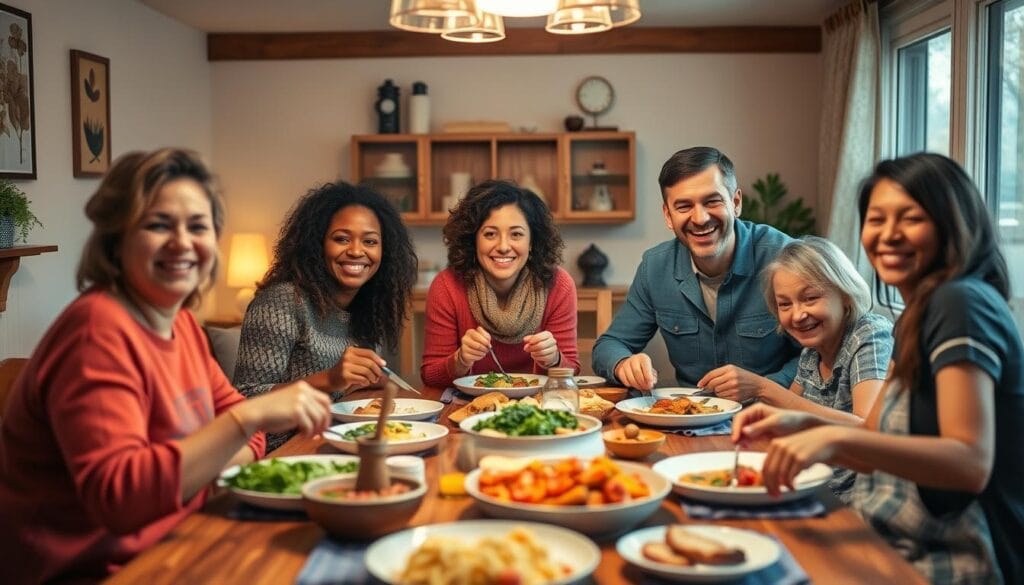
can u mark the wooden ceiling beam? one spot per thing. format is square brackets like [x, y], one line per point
[395, 43]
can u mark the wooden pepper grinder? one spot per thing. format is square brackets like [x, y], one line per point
[373, 452]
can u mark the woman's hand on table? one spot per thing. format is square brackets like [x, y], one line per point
[474, 346]
[543, 348]
[358, 368]
[297, 405]
[732, 383]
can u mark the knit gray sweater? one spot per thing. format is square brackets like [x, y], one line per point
[283, 339]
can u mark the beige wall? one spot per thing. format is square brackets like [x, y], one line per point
[160, 95]
[279, 127]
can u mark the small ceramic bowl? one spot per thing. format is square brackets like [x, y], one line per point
[361, 519]
[611, 393]
[647, 442]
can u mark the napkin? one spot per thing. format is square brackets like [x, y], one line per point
[722, 428]
[785, 571]
[335, 563]
[803, 508]
[248, 513]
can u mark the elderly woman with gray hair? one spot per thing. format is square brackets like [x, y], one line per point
[822, 302]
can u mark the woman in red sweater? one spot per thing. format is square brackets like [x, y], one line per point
[503, 290]
[122, 418]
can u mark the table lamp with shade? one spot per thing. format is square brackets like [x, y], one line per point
[247, 263]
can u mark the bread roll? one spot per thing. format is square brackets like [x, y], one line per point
[700, 549]
[660, 552]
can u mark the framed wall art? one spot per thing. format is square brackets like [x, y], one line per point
[17, 98]
[90, 113]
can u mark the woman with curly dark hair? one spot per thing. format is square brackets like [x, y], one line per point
[503, 290]
[340, 285]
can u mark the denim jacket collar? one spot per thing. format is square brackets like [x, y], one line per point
[742, 265]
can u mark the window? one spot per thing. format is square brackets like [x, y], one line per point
[922, 95]
[1004, 164]
[953, 83]
[1004, 153]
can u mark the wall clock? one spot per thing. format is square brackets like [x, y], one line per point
[595, 95]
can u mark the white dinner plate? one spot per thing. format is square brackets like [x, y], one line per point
[405, 409]
[387, 557]
[426, 435]
[589, 381]
[760, 550]
[631, 407]
[278, 501]
[593, 520]
[673, 467]
[465, 384]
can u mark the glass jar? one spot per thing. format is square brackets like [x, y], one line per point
[561, 391]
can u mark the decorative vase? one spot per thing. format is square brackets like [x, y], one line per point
[592, 262]
[387, 108]
[6, 232]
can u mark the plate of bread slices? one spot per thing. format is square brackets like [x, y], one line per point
[698, 553]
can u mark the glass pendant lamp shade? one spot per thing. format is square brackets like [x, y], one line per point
[518, 7]
[432, 16]
[578, 20]
[621, 12]
[491, 28]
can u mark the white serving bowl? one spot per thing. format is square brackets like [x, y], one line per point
[760, 551]
[387, 557]
[584, 444]
[672, 468]
[274, 501]
[429, 435]
[405, 409]
[631, 407]
[603, 520]
[465, 384]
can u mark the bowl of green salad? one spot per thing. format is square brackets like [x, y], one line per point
[523, 430]
[276, 483]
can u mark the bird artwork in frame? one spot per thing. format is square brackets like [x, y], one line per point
[90, 113]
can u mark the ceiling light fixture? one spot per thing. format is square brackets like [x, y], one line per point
[480, 21]
[432, 16]
[491, 28]
[518, 8]
[578, 20]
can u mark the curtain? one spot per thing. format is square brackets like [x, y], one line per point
[849, 119]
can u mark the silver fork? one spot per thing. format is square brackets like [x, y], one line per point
[497, 363]
[735, 468]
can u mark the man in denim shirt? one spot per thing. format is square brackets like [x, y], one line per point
[702, 290]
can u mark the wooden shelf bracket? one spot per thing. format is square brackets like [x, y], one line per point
[10, 260]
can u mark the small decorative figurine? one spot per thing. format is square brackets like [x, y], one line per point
[592, 262]
[387, 108]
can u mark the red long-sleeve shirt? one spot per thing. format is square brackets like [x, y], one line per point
[448, 317]
[90, 466]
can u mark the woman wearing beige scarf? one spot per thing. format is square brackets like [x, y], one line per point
[503, 290]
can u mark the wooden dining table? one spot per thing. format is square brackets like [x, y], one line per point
[211, 547]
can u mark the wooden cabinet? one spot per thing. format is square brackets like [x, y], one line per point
[585, 177]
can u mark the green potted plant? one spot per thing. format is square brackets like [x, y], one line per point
[15, 214]
[793, 218]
